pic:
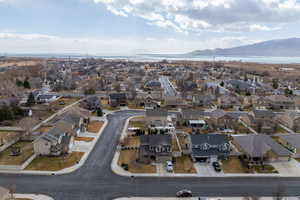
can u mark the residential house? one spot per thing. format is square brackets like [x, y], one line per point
[223, 120]
[259, 149]
[157, 148]
[59, 140]
[92, 103]
[229, 101]
[156, 117]
[262, 121]
[291, 142]
[117, 99]
[291, 119]
[280, 102]
[203, 99]
[209, 147]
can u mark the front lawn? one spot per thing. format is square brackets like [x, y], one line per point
[234, 165]
[84, 139]
[137, 122]
[6, 157]
[184, 164]
[95, 126]
[266, 169]
[128, 157]
[53, 163]
[132, 141]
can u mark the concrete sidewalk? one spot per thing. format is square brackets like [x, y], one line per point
[33, 196]
[87, 148]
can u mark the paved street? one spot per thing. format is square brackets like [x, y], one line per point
[95, 180]
[166, 85]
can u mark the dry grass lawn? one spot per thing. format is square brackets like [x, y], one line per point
[6, 157]
[184, 164]
[137, 122]
[266, 169]
[95, 126]
[6, 136]
[84, 139]
[132, 141]
[44, 129]
[129, 157]
[46, 163]
[234, 165]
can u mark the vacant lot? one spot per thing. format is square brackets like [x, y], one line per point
[6, 157]
[137, 122]
[234, 165]
[84, 139]
[95, 126]
[184, 164]
[129, 157]
[46, 163]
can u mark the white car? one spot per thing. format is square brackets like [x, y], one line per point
[169, 166]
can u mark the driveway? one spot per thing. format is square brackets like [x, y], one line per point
[95, 180]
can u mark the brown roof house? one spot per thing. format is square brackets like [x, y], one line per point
[280, 102]
[155, 148]
[259, 149]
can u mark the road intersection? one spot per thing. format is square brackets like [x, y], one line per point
[95, 179]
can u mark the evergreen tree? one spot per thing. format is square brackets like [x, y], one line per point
[99, 112]
[19, 83]
[30, 100]
[26, 84]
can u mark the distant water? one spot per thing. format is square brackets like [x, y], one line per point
[153, 58]
[267, 60]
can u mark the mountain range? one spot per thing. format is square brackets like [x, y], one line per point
[273, 48]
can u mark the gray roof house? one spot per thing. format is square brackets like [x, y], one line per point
[156, 148]
[258, 149]
[209, 146]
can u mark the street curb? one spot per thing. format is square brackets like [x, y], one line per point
[66, 170]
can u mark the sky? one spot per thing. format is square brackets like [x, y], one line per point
[128, 27]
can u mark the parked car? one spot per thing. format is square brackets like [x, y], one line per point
[217, 166]
[184, 193]
[169, 166]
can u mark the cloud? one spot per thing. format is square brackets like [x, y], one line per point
[210, 15]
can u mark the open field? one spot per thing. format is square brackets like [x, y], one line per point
[6, 157]
[47, 163]
[63, 102]
[129, 157]
[95, 126]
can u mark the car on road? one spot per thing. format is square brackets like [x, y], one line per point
[184, 193]
[217, 166]
[169, 166]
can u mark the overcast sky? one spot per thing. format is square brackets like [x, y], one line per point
[125, 27]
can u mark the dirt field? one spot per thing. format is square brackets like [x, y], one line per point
[95, 126]
[84, 139]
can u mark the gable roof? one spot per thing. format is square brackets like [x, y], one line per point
[155, 140]
[209, 144]
[259, 145]
[293, 139]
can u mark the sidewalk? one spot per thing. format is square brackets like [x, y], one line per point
[87, 148]
[33, 196]
[120, 171]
